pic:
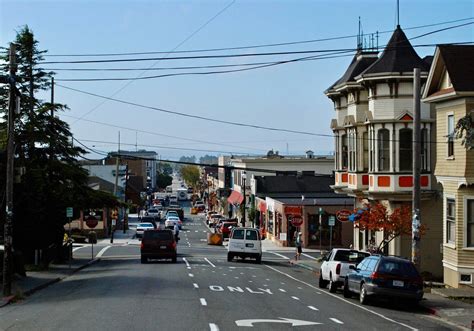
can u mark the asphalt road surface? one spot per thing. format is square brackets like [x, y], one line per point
[201, 292]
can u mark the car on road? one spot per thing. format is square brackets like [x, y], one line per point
[244, 242]
[214, 220]
[153, 212]
[335, 266]
[226, 227]
[158, 244]
[142, 228]
[171, 220]
[179, 211]
[384, 277]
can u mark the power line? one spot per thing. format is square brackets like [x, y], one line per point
[270, 64]
[254, 46]
[163, 135]
[193, 116]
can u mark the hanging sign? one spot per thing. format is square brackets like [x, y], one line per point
[343, 215]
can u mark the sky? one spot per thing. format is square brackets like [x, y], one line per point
[288, 96]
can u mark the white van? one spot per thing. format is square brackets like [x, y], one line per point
[244, 242]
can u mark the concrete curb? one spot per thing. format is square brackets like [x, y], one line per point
[7, 300]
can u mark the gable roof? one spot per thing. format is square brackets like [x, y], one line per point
[398, 56]
[459, 62]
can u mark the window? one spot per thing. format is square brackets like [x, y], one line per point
[372, 264]
[365, 144]
[383, 150]
[450, 135]
[450, 221]
[251, 235]
[424, 150]
[344, 155]
[470, 224]
[405, 154]
[238, 234]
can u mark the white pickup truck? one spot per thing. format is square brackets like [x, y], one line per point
[335, 267]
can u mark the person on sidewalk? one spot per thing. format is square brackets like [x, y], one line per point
[298, 243]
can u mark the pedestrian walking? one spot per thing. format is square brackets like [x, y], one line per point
[298, 242]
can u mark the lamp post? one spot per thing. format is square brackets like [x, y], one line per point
[244, 177]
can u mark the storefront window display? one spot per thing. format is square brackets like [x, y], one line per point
[270, 222]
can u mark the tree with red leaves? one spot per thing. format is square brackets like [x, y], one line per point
[376, 217]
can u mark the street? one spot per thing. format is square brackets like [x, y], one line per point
[201, 292]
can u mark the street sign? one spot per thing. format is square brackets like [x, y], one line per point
[69, 212]
[297, 221]
[343, 215]
[332, 220]
[91, 221]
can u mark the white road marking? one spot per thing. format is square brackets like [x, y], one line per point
[309, 256]
[342, 299]
[267, 280]
[102, 251]
[283, 256]
[241, 273]
[203, 301]
[213, 327]
[313, 308]
[282, 290]
[191, 275]
[254, 276]
[75, 249]
[236, 277]
[300, 288]
[265, 285]
[204, 231]
[335, 320]
[195, 285]
[213, 265]
[224, 274]
[187, 263]
[296, 298]
[250, 281]
[196, 231]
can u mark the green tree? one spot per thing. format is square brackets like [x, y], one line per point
[163, 180]
[191, 175]
[49, 178]
[165, 168]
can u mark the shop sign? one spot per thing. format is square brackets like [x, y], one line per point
[293, 210]
[343, 215]
[295, 220]
[332, 220]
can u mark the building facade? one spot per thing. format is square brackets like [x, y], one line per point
[373, 129]
[450, 88]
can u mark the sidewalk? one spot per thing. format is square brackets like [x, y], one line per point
[120, 238]
[450, 305]
[37, 280]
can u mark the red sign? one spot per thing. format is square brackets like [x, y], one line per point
[297, 221]
[91, 221]
[293, 210]
[343, 215]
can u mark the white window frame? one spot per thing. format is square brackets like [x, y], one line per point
[445, 221]
[465, 273]
[464, 245]
[449, 157]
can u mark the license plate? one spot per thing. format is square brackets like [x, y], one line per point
[398, 283]
[248, 245]
[162, 247]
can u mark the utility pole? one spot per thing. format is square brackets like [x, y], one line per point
[244, 178]
[8, 240]
[52, 98]
[116, 185]
[416, 221]
[125, 199]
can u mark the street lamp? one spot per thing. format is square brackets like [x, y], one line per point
[244, 177]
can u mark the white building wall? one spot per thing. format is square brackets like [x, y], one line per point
[106, 172]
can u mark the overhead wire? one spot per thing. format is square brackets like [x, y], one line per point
[256, 46]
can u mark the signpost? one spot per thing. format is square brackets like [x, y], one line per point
[320, 230]
[91, 222]
[69, 215]
[331, 222]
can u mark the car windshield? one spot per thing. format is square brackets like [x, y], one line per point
[350, 256]
[399, 268]
[153, 210]
[145, 225]
[160, 235]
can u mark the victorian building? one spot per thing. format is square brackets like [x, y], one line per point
[373, 103]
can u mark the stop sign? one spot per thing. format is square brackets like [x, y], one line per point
[91, 221]
[297, 221]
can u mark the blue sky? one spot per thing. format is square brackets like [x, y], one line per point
[287, 96]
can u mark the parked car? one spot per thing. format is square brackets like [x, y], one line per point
[178, 211]
[209, 214]
[214, 219]
[384, 276]
[158, 244]
[226, 227]
[142, 227]
[244, 242]
[335, 267]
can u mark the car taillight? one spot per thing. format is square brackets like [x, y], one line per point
[376, 275]
[173, 245]
[338, 269]
[141, 245]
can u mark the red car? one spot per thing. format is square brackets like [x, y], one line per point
[225, 228]
[158, 244]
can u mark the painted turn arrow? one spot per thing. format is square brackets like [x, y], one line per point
[293, 322]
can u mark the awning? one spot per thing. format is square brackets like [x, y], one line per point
[235, 198]
[262, 206]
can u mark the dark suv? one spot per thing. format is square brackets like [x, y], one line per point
[384, 276]
[158, 244]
